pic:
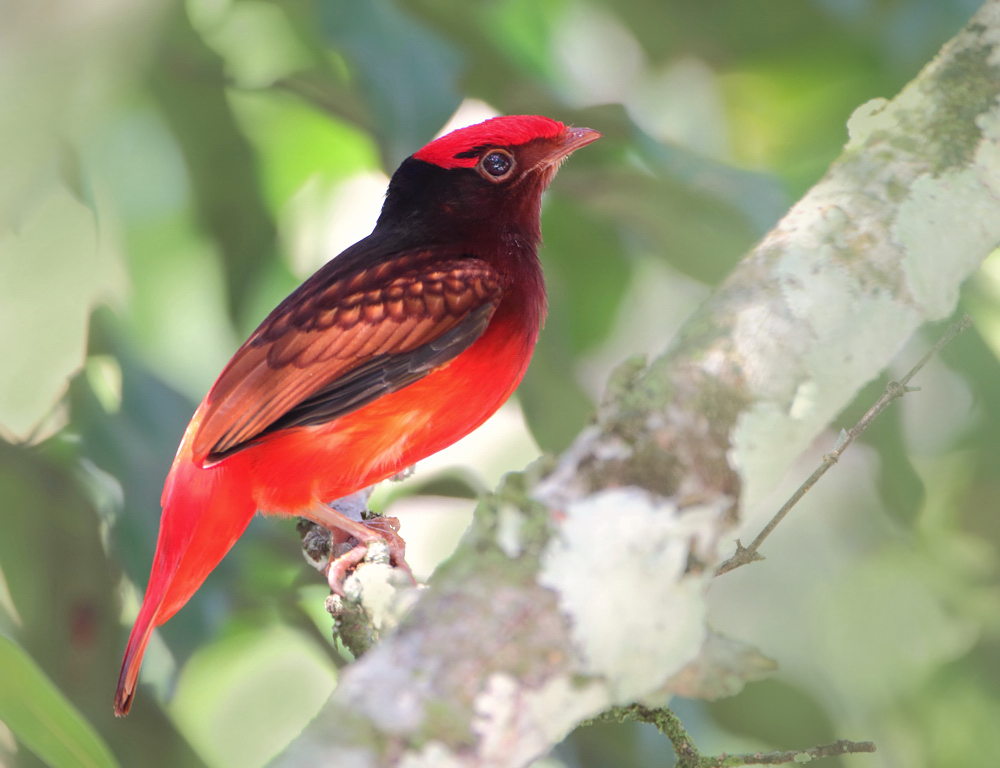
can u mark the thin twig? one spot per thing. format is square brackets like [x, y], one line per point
[837, 748]
[688, 755]
[893, 391]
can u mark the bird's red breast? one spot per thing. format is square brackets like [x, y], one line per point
[395, 349]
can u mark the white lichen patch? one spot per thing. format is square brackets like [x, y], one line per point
[881, 116]
[864, 120]
[383, 592]
[618, 564]
[433, 755]
[564, 484]
[805, 400]
[516, 725]
[950, 224]
[842, 339]
[510, 520]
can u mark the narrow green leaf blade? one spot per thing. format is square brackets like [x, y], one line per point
[42, 719]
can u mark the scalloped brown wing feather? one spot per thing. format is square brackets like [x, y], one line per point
[330, 349]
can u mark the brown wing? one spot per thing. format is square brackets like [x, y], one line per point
[327, 350]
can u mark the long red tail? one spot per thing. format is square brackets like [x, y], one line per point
[128, 678]
[205, 510]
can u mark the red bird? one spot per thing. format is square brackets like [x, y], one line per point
[404, 343]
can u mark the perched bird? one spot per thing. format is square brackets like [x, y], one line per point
[396, 348]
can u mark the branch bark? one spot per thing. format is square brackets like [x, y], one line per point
[580, 583]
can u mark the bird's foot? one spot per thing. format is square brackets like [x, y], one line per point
[340, 566]
[388, 528]
[383, 536]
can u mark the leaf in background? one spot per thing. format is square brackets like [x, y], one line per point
[49, 274]
[777, 713]
[66, 590]
[758, 196]
[255, 38]
[584, 254]
[788, 111]
[295, 141]
[975, 354]
[523, 29]
[58, 75]
[408, 73]
[958, 715]
[245, 697]
[697, 213]
[701, 236]
[189, 83]
[41, 717]
[555, 406]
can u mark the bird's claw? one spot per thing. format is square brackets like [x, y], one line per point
[385, 531]
[340, 566]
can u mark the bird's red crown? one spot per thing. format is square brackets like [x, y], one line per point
[461, 148]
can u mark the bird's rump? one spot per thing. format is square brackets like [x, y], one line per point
[335, 345]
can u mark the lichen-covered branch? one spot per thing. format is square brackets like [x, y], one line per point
[580, 584]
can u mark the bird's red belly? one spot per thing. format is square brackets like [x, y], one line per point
[293, 469]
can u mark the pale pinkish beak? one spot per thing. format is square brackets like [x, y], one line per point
[572, 139]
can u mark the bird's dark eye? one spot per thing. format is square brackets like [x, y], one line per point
[497, 164]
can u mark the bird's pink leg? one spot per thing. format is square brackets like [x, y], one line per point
[368, 531]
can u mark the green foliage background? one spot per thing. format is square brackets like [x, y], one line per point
[164, 171]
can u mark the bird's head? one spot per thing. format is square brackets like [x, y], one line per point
[484, 181]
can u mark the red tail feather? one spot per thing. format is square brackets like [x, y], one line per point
[203, 516]
[128, 678]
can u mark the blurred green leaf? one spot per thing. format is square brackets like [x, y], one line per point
[67, 590]
[956, 719]
[700, 236]
[523, 29]
[789, 110]
[255, 38]
[296, 141]
[594, 271]
[408, 73]
[189, 83]
[49, 274]
[758, 196]
[41, 717]
[778, 714]
[555, 406]
[245, 697]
